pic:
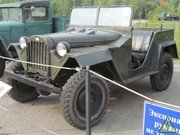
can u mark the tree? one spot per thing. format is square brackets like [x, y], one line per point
[174, 4]
[87, 2]
[102, 2]
[178, 13]
[139, 8]
[62, 7]
[143, 9]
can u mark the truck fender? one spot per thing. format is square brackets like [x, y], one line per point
[81, 60]
[172, 49]
[3, 47]
[93, 58]
[169, 47]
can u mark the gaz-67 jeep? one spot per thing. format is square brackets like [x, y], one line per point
[103, 39]
[25, 19]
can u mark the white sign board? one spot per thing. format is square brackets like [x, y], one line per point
[4, 88]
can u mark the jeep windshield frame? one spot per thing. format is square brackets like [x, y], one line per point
[113, 16]
[11, 14]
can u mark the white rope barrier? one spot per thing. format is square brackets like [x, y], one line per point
[113, 82]
[66, 68]
[136, 93]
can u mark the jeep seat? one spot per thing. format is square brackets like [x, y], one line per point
[140, 44]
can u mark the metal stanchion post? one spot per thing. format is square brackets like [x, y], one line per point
[88, 94]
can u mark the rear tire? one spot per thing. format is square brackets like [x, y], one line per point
[2, 65]
[162, 80]
[72, 101]
[22, 92]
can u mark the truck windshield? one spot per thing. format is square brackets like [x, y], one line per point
[109, 16]
[11, 14]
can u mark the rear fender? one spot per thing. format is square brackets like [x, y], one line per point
[169, 47]
[172, 49]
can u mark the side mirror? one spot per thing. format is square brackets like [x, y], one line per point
[32, 8]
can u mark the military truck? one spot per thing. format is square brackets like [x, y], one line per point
[103, 39]
[25, 19]
[171, 17]
[167, 17]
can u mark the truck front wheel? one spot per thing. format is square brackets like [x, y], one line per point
[22, 92]
[2, 65]
[72, 101]
[162, 80]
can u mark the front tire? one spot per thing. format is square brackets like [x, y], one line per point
[21, 92]
[2, 65]
[72, 101]
[162, 80]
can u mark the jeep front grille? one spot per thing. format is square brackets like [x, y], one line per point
[38, 52]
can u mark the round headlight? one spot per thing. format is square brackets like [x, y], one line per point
[23, 42]
[62, 48]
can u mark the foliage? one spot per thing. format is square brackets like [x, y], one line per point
[164, 4]
[143, 9]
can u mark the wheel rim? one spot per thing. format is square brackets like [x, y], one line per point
[165, 72]
[95, 101]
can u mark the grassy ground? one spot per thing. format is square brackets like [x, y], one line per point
[166, 24]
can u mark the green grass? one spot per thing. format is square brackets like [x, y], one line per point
[166, 24]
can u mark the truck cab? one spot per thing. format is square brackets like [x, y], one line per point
[23, 19]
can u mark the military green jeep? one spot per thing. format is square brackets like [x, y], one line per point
[102, 38]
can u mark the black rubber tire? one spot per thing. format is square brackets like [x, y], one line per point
[21, 92]
[162, 80]
[2, 65]
[71, 95]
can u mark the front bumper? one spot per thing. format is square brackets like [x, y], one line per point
[40, 85]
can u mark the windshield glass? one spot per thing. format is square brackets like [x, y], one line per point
[115, 17]
[109, 16]
[83, 16]
[11, 14]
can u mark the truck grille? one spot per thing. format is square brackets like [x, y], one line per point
[38, 52]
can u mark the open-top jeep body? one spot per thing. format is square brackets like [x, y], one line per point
[99, 37]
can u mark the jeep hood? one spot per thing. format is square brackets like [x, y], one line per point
[84, 37]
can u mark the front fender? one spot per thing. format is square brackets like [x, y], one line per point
[4, 48]
[86, 58]
[21, 53]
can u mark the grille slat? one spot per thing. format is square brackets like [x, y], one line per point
[36, 46]
[34, 51]
[38, 53]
